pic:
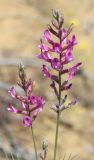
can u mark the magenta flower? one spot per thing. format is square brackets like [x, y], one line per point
[68, 57]
[31, 105]
[55, 63]
[27, 121]
[45, 56]
[47, 35]
[57, 47]
[46, 72]
[12, 92]
[73, 71]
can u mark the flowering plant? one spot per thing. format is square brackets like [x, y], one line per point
[31, 104]
[59, 54]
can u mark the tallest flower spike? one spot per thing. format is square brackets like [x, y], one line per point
[59, 54]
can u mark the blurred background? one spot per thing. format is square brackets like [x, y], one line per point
[22, 23]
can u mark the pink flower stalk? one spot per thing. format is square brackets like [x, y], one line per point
[58, 54]
[31, 104]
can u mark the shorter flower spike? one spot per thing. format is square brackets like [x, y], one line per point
[31, 104]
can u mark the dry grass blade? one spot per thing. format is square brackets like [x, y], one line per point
[74, 157]
[6, 155]
[12, 156]
[64, 156]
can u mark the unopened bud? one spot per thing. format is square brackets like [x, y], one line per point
[21, 71]
[45, 144]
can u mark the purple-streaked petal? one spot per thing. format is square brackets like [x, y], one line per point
[55, 63]
[45, 56]
[73, 71]
[29, 89]
[27, 121]
[73, 102]
[40, 101]
[11, 108]
[24, 105]
[69, 57]
[63, 32]
[67, 87]
[57, 48]
[53, 86]
[47, 35]
[46, 71]
[39, 109]
[12, 92]
[33, 99]
[74, 41]
[43, 47]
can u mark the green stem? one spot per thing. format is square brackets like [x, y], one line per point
[58, 119]
[36, 155]
[58, 113]
[56, 136]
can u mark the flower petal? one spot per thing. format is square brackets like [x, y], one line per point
[47, 35]
[27, 121]
[11, 108]
[55, 63]
[12, 92]
[68, 57]
[46, 71]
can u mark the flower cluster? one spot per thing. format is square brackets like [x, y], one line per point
[62, 57]
[31, 104]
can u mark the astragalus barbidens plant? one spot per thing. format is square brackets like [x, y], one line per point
[59, 54]
[31, 105]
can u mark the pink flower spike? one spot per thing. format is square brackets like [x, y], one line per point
[11, 108]
[47, 35]
[12, 92]
[27, 121]
[46, 71]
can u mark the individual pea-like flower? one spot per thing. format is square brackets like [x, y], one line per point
[12, 92]
[59, 54]
[31, 105]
